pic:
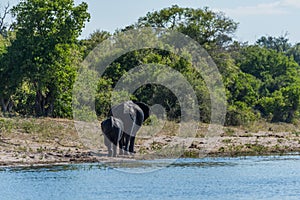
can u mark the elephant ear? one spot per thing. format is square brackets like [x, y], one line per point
[110, 112]
[145, 108]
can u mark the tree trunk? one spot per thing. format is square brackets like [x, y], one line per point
[3, 105]
[6, 105]
[290, 116]
[49, 104]
[39, 104]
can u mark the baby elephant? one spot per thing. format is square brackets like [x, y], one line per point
[112, 129]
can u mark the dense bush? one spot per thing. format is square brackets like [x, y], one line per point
[40, 62]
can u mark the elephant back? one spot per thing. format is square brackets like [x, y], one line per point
[112, 128]
[106, 125]
[126, 113]
[131, 114]
[117, 123]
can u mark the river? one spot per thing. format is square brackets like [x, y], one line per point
[263, 177]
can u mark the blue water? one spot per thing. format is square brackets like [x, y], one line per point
[272, 177]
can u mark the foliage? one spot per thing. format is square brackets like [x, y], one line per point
[203, 25]
[44, 52]
[294, 52]
[40, 57]
[93, 40]
[279, 44]
[240, 114]
[279, 76]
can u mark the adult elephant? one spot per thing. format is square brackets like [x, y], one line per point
[112, 129]
[132, 114]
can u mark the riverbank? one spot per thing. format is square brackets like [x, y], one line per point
[55, 141]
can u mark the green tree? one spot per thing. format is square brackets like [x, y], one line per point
[279, 44]
[279, 75]
[294, 52]
[4, 26]
[203, 25]
[275, 69]
[93, 40]
[44, 50]
[8, 82]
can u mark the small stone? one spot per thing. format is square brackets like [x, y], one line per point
[67, 155]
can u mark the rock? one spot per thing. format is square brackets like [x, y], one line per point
[67, 155]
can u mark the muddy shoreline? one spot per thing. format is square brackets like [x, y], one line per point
[223, 146]
[36, 142]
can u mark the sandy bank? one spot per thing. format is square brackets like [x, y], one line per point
[56, 141]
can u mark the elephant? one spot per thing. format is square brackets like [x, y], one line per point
[112, 129]
[132, 114]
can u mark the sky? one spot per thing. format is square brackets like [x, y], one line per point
[256, 18]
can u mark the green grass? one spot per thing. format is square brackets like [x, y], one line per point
[296, 133]
[156, 146]
[191, 154]
[229, 132]
[227, 141]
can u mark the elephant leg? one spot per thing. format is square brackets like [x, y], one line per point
[121, 146]
[110, 152]
[114, 150]
[108, 143]
[126, 143]
[115, 144]
[131, 144]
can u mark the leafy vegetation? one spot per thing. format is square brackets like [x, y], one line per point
[40, 55]
[39, 67]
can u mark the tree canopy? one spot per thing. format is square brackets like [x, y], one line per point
[203, 25]
[41, 58]
[40, 55]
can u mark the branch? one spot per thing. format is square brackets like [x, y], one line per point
[2, 18]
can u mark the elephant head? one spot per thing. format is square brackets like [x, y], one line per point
[145, 108]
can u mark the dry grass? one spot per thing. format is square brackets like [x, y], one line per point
[41, 139]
